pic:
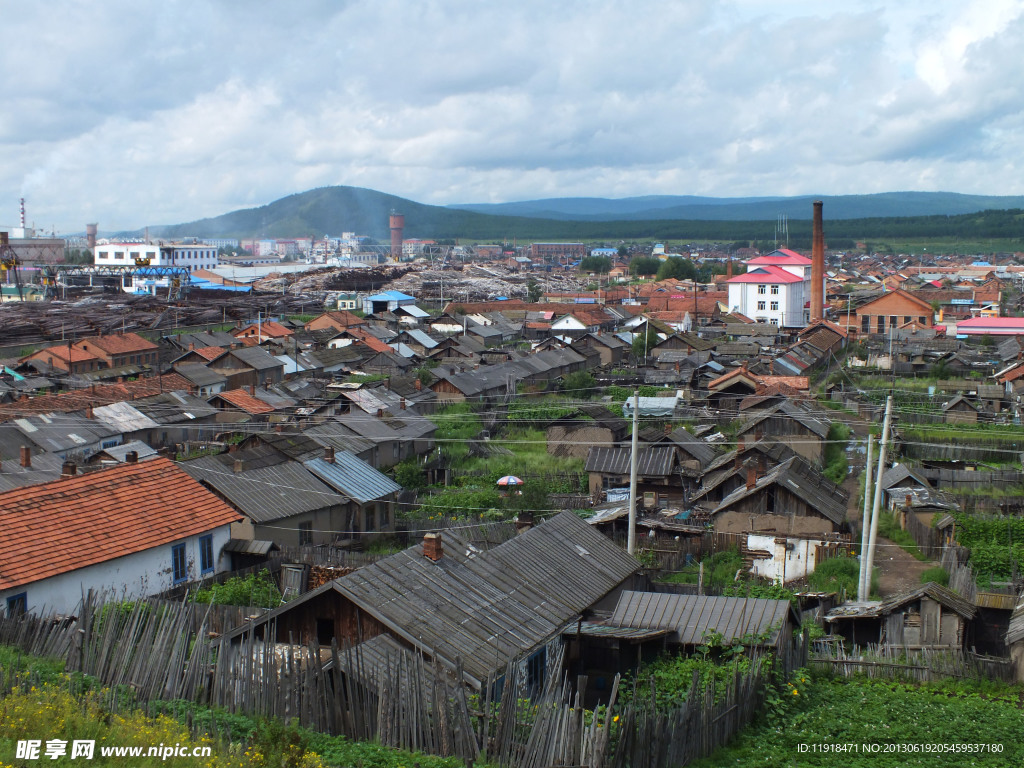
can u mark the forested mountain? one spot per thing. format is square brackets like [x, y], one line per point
[333, 210]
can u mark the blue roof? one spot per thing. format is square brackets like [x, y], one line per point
[353, 477]
[391, 296]
[216, 287]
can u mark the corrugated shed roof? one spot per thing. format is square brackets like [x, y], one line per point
[803, 481]
[123, 417]
[353, 477]
[84, 520]
[651, 461]
[268, 493]
[694, 617]
[98, 394]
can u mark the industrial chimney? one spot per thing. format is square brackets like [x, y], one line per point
[90, 235]
[397, 225]
[817, 266]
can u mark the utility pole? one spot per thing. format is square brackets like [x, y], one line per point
[865, 525]
[633, 462]
[875, 507]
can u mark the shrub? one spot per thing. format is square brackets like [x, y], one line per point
[256, 589]
[939, 575]
[837, 574]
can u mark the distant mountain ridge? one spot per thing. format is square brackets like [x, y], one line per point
[693, 208]
[333, 210]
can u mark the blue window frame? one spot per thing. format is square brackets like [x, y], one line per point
[179, 564]
[17, 604]
[206, 553]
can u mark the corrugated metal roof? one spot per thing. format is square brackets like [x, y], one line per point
[595, 629]
[249, 546]
[123, 417]
[266, 494]
[353, 477]
[694, 617]
[651, 462]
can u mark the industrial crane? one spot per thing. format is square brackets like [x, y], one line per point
[9, 262]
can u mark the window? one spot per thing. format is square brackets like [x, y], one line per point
[761, 290]
[760, 305]
[881, 324]
[536, 667]
[368, 515]
[17, 604]
[775, 306]
[305, 534]
[907, 319]
[775, 290]
[179, 565]
[865, 324]
[206, 553]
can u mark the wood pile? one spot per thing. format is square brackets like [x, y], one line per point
[322, 574]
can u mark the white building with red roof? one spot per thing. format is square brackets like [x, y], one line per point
[776, 289]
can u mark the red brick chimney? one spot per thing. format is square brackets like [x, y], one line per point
[751, 476]
[817, 266]
[26, 457]
[132, 457]
[419, 385]
[432, 546]
[239, 465]
[329, 454]
[68, 469]
[401, 403]
[728, 269]
[252, 390]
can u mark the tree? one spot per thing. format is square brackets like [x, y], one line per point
[597, 264]
[579, 384]
[644, 265]
[644, 341]
[678, 268]
[623, 250]
[534, 290]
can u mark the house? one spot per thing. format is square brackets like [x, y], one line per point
[787, 422]
[120, 349]
[277, 500]
[990, 326]
[960, 410]
[134, 530]
[592, 425]
[387, 301]
[930, 616]
[21, 466]
[790, 498]
[205, 381]
[373, 497]
[70, 436]
[65, 358]
[890, 310]
[338, 320]
[472, 611]
[247, 366]
[264, 330]
[657, 472]
[775, 289]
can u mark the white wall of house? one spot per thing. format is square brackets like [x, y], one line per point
[778, 303]
[131, 576]
[792, 559]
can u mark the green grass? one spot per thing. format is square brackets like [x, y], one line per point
[836, 465]
[825, 711]
[889, 528]
[937, 574]
[837, 574]
[719, 569]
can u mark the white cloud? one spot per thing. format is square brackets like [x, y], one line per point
[134, 114]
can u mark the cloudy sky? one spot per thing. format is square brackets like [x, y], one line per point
[134, 113]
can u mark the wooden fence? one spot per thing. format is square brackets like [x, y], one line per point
[928, 539]
[398, 697]
[961, 575]
[920, 665]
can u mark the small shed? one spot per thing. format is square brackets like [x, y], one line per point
[930, 616]
[960, 410]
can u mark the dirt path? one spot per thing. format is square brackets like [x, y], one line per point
[898, 570]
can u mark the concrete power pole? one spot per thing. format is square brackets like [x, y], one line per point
[865, 525]
[878, 492]
[633, 462]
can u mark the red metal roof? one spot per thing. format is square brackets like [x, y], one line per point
[767, 273]
[83, 520]
[783, 256]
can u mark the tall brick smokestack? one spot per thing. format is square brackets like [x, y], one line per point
[817, 266]
[397, 224]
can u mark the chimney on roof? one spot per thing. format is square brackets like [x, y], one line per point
[401, 403]
[751, 476]
[419, 385]
[68, 469]
[432, 546]
[817, 266]
[26, 457]
[191, 346]
[132, 457]
[239, 465]
[728, 269]
[907, 501]
[252, 390]
[329, 454]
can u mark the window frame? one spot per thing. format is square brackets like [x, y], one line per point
[17, 604]
[179, 575]
[207, 562]
[305, 533]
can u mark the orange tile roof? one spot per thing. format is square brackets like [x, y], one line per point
[210, 353]
[118, 344]
[267, 328]
[246, 402]
[75, 522]
[99, 394]
[374, 343]
[62, 352]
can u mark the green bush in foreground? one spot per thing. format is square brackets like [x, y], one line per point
[256, 589]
